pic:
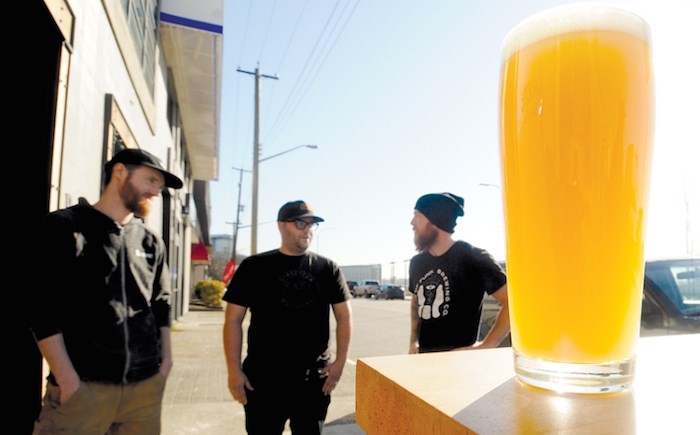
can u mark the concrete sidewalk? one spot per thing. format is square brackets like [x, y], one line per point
[197, 400]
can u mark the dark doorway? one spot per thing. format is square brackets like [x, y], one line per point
[36, 108]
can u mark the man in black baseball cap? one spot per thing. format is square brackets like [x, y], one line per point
[107, 251]
[296, 288]
[137, 157]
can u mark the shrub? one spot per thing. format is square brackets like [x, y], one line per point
[210, 292]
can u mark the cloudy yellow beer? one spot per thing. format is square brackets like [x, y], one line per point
[576, 130]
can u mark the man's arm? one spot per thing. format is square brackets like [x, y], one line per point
[53, 348]
[343, 333]
[161, 307]
[343, 330]
[166, 351]
[501, 326]
[413, 334]
[233, 348]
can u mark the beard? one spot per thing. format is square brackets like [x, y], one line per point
[143, 208]
[133, 200]
[426, 239]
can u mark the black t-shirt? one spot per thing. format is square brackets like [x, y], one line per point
[450, 290]
[289, 298]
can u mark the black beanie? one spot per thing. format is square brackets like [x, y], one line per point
[441, 209]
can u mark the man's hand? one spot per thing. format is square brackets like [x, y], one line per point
[332, 373]
[237, 383]
[67, 386]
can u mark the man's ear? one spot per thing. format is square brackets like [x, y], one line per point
[120, 170]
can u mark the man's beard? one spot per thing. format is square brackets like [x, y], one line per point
[133, 201]
[425, 240]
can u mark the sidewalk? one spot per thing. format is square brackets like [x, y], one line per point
[197, 400]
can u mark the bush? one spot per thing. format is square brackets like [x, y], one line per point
[210, 292]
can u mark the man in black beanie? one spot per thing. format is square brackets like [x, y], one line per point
[441, 209]
[448, 279]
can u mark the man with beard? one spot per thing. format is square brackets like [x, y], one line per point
[101, 314]
[448, 279]
[288, 373]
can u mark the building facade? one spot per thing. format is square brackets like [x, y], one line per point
[114, 74]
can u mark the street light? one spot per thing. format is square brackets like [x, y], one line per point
[313, 147]
[496, 186]
[254, 217]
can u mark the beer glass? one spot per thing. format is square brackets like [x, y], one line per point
[576, 132]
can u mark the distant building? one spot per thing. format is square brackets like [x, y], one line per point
[221, 244]
[362, 272]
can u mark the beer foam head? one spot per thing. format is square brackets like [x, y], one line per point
[573, 18]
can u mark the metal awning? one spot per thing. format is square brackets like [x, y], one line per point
[192, 41]
[199, 255]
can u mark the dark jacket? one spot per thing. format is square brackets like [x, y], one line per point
[105, 288]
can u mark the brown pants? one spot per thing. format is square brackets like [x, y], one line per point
[98, 409]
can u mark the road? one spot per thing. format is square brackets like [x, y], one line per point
[380, 327]
[197, 400]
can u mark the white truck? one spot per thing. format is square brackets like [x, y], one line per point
[367, 288]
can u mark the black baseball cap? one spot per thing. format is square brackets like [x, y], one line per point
[296, 209]
[133, 156]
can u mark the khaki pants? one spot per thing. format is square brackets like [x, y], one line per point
[98, 409]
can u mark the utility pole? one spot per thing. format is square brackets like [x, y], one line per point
[237, 223]
[256, 156]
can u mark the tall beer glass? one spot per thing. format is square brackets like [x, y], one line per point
[576, 130]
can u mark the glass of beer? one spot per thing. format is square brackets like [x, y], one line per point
[576, 134]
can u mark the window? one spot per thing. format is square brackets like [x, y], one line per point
[688, 283]
[118, 135]
[142, 18]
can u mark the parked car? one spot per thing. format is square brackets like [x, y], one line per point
[367, 288]
[670, 304]
[351, 286]
[390, 291]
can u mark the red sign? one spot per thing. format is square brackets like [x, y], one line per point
[228, 271]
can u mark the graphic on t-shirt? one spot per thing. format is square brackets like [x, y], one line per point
[122, 311]
[298, 289]
[433, 293]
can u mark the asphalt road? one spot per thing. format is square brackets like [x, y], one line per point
[197, 400]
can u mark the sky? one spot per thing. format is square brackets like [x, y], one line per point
[401, 99]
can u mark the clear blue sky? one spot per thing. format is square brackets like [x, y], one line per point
[401, 98]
